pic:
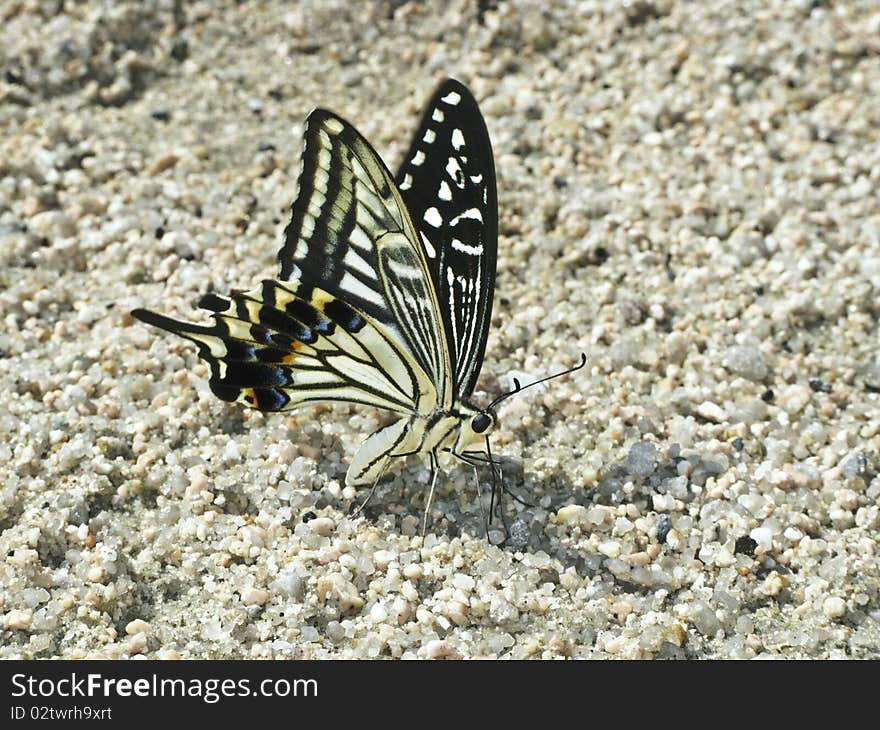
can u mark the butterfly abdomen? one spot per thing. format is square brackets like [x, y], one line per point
[438, 431]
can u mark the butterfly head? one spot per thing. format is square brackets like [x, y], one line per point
[475, 426]
[482, 423]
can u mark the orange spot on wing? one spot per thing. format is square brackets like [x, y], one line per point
[296, 345]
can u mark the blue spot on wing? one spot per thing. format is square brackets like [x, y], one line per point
[344, 316]
[270, 399]
[238, 350]
[277, 320]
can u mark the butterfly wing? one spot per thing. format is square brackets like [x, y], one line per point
[355, 317]
[447, 181]
[350, 233]
[288, 343]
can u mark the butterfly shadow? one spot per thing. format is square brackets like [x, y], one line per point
[512, 518]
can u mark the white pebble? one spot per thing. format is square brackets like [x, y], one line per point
[137, 644]
[764, 537]
[137, 626]
[383, 558]
[834, 607]
[439, 649]
[378, 613]
[611, 548]
[571, 514]
[712, 412]
[17, 619]
[322, 526]
[254, 596]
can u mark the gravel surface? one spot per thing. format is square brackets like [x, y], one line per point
[688, 194]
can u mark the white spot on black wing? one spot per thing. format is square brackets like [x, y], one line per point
[470, 250]
[429, 249]
[472, 213]
[433, 218]
[453, 169]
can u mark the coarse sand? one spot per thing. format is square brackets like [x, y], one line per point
[688, 193]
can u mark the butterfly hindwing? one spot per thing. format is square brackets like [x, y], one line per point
[285, 344]
[447, 181]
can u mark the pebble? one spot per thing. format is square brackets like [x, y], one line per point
[322, 526]
[162, 163]
[712, 412]
[641, 459]
[855, 465]
[137, 644]
[705, 620]
[254, 596]
[137, 626]
[17, 619]
[794, 398]
[383, 558]
[439, 649]
[834, 607]
[746, 361]
[611, 548]
[763, 538]
[571, 514]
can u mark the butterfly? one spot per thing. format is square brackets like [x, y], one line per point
[385, 292]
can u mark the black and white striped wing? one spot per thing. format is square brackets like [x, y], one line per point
[447, 181]
[285, 344]
[350, 233]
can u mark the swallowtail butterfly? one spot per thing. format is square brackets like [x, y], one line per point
[385, 291]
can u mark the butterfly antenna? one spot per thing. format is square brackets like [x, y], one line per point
[518, 388]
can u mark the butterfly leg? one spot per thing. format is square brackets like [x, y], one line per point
[479, 456]
[499, 491]
[370, 495]
[434, 471]
[483, 514]
[474, 459]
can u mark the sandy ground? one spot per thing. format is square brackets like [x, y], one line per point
[688, 193]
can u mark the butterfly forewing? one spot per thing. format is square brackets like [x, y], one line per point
[330, 235]
[447, 180]
[350, 233]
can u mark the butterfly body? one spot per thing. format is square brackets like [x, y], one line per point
[449, 431]
[385, 291]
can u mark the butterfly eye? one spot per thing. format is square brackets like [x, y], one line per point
[480, 422]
